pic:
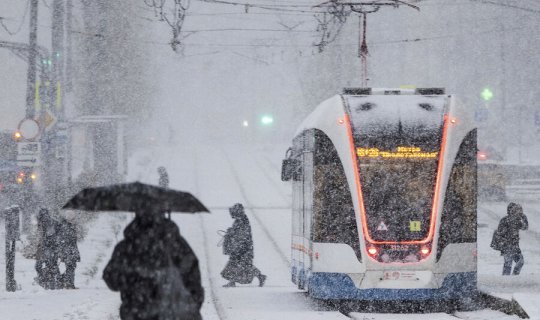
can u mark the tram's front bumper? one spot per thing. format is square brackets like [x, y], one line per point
[330, 286]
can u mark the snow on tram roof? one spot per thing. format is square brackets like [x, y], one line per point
[391, 104]
[393, 91]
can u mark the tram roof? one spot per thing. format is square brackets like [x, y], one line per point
[393, 91]
[319, 116]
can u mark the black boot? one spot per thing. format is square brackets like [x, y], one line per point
[262, 279]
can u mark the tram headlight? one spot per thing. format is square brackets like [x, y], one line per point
[481, 155]
[33, 176]
[425, 250]
[372, 251]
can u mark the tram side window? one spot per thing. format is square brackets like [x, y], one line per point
[297, 189]
[334, 219]
[459, 218]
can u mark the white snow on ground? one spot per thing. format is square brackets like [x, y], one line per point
[91, 301]
[220, 176]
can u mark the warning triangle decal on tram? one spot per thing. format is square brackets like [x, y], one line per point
[382, 227]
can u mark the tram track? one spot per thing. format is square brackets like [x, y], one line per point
[243, 192]
[277, 169]
[216, 302]
[218, 306]
[272, 181]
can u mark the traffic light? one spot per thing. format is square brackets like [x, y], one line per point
[487, 94]
[267, 120]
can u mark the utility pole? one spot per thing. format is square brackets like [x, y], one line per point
[342, 8]
[54, 140]
[68, 84]
[31, 75]
[58, 11]
[69, 47]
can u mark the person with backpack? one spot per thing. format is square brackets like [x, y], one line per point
[238, 244]
[68, 252]
[506, 238]
[155, 271]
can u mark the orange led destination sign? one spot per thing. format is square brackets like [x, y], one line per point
[402, 152]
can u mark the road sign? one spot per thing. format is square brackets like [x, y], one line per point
[29, 129]
[28, 161]
[28, 148]
[28, 154]
[49, 120]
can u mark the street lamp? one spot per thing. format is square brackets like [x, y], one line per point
[267, 120]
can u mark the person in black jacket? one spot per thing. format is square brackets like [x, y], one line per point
[508, 238]
[155, 271]
[163, 177]
[238, 244]
[68, 252]
[48, 272]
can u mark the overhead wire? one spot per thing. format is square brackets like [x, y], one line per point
[12, 33]
[279, 46]
[507, 5]
[412, 40]
[247, 6]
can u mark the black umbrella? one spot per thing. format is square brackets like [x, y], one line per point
[135, 197]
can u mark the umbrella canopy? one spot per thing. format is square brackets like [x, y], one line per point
[135, 196]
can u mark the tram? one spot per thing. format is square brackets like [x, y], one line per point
[384, 193]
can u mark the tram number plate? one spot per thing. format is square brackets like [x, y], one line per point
[399, 275]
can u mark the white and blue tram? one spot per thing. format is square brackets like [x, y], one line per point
[384, 197]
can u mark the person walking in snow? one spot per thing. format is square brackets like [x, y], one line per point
[506, 238]
[46, 266]
[155, 271]
[68, 252]
[163, 177]
[238, 244]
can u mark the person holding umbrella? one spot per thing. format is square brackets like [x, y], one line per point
[153, 267]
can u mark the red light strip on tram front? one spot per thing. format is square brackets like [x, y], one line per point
[434, 207]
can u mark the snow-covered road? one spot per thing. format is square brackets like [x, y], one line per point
[221, 176]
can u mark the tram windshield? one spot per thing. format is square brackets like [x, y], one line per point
[398, 157]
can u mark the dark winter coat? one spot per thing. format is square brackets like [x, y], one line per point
[68, 251]
[508, 233]
[156, 272]
[46, 237]
[238, 242]
[164, 180]
[239, 238]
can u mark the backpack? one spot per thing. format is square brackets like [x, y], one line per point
[496, 240]
[167, 297]
[175, 301]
